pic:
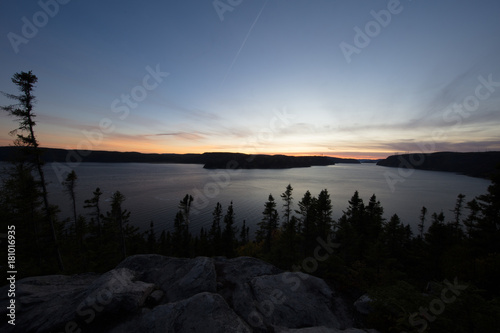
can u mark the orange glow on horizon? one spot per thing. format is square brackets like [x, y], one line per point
[121, 146]
[146, 146]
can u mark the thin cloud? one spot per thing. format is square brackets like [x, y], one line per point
[181, 135]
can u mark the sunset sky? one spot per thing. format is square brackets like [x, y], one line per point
[365, 79]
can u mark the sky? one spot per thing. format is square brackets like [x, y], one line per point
[363, 79]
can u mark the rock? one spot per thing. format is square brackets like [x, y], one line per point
[363, 304]
[204, 312]
[115, 292]
[179, 278]
[294, 300]
[155, 298]
[153, 293]
[44, 302]
[322, 329]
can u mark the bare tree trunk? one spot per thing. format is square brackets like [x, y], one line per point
[46, 205]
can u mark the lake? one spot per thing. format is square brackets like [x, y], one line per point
[153, 191]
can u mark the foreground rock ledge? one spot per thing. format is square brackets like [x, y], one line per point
[153, 293]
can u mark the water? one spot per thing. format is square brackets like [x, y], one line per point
[153, 191]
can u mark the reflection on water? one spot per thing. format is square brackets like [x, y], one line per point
[153, 191]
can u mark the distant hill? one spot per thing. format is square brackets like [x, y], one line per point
[99, 156]
[209, 160]
[244, 161]
[471, 164]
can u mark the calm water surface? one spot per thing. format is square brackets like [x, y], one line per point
[153, 191]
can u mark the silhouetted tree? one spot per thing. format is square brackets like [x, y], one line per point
[69, 186]
[324, 217]
[244, 233]
[185, 207]
[457, 211]
[120, 216]
[269, 223]
[374, 219]
[486, 228]
[94, 203]
[151, 239]
[229, 233]
[287, 206]
[180, 236]
[397, 238]
[23, 111]
[350, 230]
[421, 225]
[20, 202]
[307, 219]
[215, 233]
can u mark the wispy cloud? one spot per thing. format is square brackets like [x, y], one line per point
[180, 135]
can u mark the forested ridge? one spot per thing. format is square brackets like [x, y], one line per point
[209, 160]
[476, 164]
[442, 277]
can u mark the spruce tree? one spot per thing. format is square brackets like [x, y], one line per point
[324, 210]
[94, 203]
[25, 137]
[69, 187]
[269, 223]
[120, 217]
[229, 233]
[287, 206]
[215, 233]
[421, 225]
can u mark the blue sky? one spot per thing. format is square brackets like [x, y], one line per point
[343, 78]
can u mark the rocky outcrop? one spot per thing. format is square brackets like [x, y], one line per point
[153, 293]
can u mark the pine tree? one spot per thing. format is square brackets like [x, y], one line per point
[69, 187]
[181, 236]
[215, 233]
[185, 207]
[307, 219]
[374, 219]
[396, 237]
[151, 239]
[94, 203]
[23, 111]
[120, 216]
[244, 234]
[421, 225]
[287, 206]
[20, 202]
[269, 223]
[457, 212]
[229, 233]
[484, 225]
[324, 210]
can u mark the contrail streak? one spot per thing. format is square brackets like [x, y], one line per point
[244, 41]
